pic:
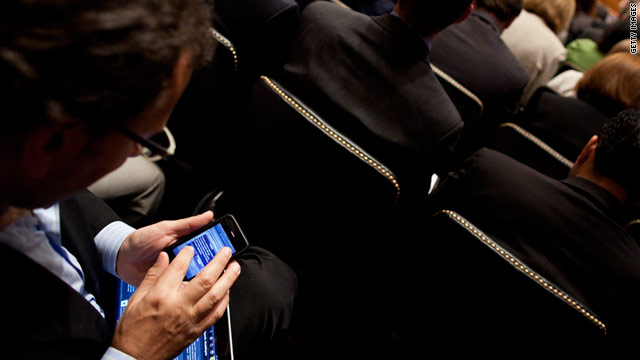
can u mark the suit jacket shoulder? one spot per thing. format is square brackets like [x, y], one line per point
[370, 78]
[473, 53]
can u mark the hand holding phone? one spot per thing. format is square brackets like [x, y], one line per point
[208, 241]
[164, 315]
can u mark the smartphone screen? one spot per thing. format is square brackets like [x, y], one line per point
[208, 242]
[206, 246]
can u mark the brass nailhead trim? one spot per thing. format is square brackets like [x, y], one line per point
[530, 273]
[633, 222]
[458, 86]
[539, 142]
[226, 43]
[381, 169]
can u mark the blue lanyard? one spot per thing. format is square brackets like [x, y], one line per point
[62, 253]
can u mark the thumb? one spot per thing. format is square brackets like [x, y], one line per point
[152, 276]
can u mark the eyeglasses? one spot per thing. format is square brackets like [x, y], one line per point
[151, 150]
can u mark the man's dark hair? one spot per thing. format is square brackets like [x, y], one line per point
[504, 10]
[95, 60]
[618, 152]
[434, 14]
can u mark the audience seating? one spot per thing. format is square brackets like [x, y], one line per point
[468, 104]
[299, 185]
[523, 146]
[634, 226]
[488, 294]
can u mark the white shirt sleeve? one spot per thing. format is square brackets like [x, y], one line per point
[109, 240]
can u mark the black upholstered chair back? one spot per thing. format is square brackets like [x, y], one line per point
[520, 144]
[467, 103]
[634, 225]
[484, 292]
[301, 188]
[204, 124]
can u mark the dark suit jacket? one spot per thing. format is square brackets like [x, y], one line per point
[370, 78]
[44, 317]
[473, 53]
[566, 124]
[571, 232]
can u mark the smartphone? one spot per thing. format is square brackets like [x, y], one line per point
[208, 241]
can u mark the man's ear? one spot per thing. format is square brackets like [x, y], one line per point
[588, 149]
[38, 150]
[585, 154]
[45, 146]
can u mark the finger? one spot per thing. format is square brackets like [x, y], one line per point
[188, 225]
[201, 283]
[214, 315]
[218, 292]
[172, 277]
[152, 276]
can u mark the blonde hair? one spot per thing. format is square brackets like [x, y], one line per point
[612, 84]
[557, 14]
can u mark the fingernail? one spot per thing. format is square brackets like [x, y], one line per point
[236, 267]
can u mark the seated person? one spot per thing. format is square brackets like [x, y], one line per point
[584, 21]
[534, 39]
[370, 78]
[611, 85]
[572, 232]
[84, 88]
[564, 123]
[565, 82]
[496, 76]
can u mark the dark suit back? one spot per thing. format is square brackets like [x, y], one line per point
[568, 231]
[473, 53]
[370, 78]
[566, 124]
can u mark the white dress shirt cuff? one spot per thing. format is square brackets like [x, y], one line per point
[109, 241]
[115, 354]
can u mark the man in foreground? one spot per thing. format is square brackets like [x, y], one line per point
[83, 84]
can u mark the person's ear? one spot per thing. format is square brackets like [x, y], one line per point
[585, 154]
[588, 149]
[45, 146]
